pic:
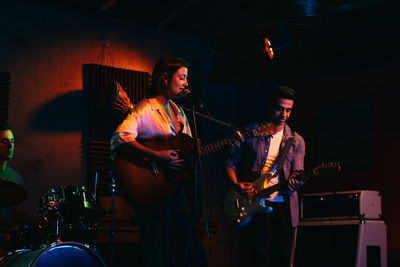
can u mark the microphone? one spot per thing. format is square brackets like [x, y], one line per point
[195, 100]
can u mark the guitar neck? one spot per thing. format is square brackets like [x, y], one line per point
[270, 190]
[240, 136]
[277, 187]
[217, 146]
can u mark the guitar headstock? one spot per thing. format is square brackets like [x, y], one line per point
[264, 129]
[330, 168]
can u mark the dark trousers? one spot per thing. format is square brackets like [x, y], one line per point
[267, 240]
[169, 236]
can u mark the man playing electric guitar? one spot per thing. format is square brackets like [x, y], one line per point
[268, 239]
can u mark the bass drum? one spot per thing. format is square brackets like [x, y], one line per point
[62, 254]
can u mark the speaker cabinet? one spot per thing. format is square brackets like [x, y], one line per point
[345, 243]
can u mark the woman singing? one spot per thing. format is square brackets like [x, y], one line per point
[167, 234]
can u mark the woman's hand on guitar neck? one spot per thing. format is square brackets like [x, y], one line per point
[170, 159]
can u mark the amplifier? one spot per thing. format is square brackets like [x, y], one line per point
[363, 204]
[344, 243]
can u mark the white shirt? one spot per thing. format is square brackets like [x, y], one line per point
[148, 119]
[271, 165]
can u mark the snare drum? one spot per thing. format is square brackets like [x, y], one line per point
[61, 254]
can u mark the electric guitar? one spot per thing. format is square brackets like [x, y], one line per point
[146, 183]
[240, 209]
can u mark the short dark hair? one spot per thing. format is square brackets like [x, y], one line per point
[165, 68]
[281, 91]
[5, 126]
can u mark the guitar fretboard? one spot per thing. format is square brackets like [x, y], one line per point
[218, 146]
[261, 130]
[323, 169]
[272, 189]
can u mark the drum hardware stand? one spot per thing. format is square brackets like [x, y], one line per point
[95, 203]
[58, 239]
[58, 220]
[112, 230]
[95, 188]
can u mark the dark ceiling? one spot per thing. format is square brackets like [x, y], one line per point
[204, 18]
[344, 33]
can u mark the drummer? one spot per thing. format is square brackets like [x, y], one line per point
[10, 216]
[6, 172]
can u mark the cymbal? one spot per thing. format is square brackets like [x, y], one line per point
[11, 194]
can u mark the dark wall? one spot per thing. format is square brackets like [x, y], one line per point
[351, 118]
[345, 117]
[346, 74]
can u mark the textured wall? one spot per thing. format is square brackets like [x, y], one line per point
[43, 49]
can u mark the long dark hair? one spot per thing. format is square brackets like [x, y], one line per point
[164, 69]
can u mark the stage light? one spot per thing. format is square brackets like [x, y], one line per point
[268, 49]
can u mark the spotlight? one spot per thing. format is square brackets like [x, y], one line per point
[268, 49]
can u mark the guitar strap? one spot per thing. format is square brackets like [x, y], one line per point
[282, 158]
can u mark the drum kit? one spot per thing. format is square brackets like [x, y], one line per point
[66, 236]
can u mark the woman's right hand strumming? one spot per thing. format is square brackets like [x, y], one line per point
[170, 158]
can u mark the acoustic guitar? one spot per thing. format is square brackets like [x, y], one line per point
[146, 183]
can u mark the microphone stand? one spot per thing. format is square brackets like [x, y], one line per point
[229, 125]
[198, 170]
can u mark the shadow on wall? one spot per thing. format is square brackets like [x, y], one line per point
[66, 113]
